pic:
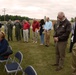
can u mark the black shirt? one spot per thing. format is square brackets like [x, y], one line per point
[41, 29]
[74, 40]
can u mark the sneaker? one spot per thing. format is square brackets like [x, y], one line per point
[24, 41]
[55, 65]
[36, 42]
[47, 45]
[74, 72]
[41, 44]
[33, 41]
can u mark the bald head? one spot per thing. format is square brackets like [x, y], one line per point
[47, 19]
[17, 20]
[61, 15]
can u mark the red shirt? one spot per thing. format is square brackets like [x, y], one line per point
[35, 25]
[26, 25]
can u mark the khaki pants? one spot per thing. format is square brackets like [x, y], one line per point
[35, 36]
[74, 58]
[25, 35]
[60, 52]
[47, 37]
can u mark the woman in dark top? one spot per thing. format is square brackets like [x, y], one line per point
[42, 31]
[3, 45]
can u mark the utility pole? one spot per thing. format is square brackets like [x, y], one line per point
[45, 18]
[4, 10]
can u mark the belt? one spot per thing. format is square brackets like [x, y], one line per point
[49, 29]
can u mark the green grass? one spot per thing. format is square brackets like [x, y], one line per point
[40, 57]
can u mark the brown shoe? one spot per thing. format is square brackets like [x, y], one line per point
[59, 68]
[55, 65]
[74, 72]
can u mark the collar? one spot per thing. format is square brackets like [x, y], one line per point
[63, 19]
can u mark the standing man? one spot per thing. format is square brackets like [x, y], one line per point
[72, 36]
[17, 30]
[61, 37]
[47, 29]
[9, 29]
[74, 50]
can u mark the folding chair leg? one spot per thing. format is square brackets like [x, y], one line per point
[16, 73]
[23, 73]
[4, 69]
[11, 73]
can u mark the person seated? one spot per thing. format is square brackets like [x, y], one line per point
[3, 46]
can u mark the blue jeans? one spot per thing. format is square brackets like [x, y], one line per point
[42, 38]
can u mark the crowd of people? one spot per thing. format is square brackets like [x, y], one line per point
[62, 30]
[22, 30]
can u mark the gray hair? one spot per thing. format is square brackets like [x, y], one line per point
[61, 14]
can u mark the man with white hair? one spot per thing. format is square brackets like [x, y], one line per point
[61, 37]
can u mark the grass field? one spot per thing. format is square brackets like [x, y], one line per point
[40, 57]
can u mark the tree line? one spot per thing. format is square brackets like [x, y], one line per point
[16, 17]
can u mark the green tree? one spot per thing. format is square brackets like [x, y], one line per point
[72, 19]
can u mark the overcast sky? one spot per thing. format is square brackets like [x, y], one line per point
[39, 8]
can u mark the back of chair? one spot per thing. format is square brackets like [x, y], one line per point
[19, 56]
[10, 47]
[30, 71]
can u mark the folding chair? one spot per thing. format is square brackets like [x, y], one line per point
[5, 60]
[30, 71]
[14, 66]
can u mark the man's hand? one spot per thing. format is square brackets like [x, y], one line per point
[56, 39]
[45, 30]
